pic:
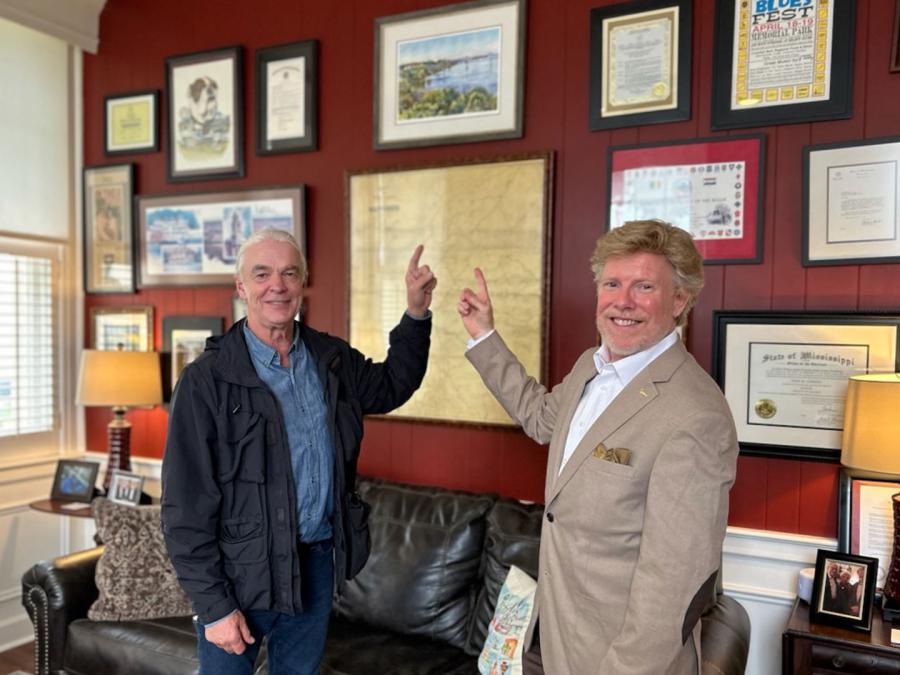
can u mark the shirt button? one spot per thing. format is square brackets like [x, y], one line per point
[550, 517]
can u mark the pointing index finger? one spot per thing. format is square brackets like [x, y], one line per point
[414, 261]
[482, 282]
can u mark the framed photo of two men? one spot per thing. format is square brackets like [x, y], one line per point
[843, 590]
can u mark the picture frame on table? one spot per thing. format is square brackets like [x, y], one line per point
[129, 328]
[204, 95]
[813, 45]
[131, 122]
[287, 88]
[125, 488]
[851, 202]
[184, 339]
[866, 517]
[108, 242]
[711, 187]
[74, 481]
[785, 375]
[452, 74]
[640, 63]
[895, 40]
[843, 590]
[193, 238]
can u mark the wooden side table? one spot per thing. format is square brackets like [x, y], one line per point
[813, 649]
[58, 507]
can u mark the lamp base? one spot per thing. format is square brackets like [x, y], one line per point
[119, 435]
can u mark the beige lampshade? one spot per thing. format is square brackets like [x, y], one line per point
[871, 439]
[117, 378]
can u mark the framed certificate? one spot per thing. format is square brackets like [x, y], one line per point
[286, 98]
[640, 63]
[785, 375]
[779, 62]
[108, 254]
[851, 202]
[131, 122]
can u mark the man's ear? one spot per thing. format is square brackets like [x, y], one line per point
[681, 301]
[239, 285]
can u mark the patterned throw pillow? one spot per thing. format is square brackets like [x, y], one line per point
[134, 576]
[502, 653]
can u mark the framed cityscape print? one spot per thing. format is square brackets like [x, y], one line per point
[640, 63]
[108, 244]
[131, 122]
[711, 187]
[286, 98]
[193, 238]
[782, 62]
[205, 121]
[450, 74]
[126, 328]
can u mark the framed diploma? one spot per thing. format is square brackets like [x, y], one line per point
[785, 374]
[711, 187]
[640, 63]
[851, 200]
[131, 122]
[866, 517]
[286, 98]
[204, 94]
[779, 62]
[108, 254]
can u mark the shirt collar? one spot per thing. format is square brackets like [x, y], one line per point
[263, 353]
[628, 368]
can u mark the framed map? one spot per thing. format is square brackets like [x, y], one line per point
[493, 214]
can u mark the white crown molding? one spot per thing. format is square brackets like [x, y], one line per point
[76, 22]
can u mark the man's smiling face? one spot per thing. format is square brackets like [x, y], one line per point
[271, 282]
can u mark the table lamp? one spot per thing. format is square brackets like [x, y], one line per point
[871, 442]
[119, 379]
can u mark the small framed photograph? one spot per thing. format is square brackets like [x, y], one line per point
[204, 94]
[131, 122]
[451, 74]
[895, 40]
[128, 329]
[812, 45]
[843, 590]
[851, 193]
[192, 239]
[184, 339]
[640, 63]
[74, 480]
[287, 88]
[125, 488]
[108, 243]
[785, 375]
[711, 187]
[866, 517]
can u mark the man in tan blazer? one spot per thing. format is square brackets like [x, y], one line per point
[642, 455]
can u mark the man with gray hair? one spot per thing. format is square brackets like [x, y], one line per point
[259, 511]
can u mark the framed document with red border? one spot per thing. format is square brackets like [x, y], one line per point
[711, 187]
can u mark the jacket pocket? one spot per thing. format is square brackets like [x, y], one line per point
[358, 539]
[242, 542]
[241, 473]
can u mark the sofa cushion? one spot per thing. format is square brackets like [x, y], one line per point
[422, 574]
[513, 538]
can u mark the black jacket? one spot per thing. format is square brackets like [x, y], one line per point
[229, 508]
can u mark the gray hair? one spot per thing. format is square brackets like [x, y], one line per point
[270, 234]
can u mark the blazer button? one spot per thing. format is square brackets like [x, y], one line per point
[549, 516]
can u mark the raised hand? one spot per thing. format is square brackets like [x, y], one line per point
[420, 283]
[475, 309]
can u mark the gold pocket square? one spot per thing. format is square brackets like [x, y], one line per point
[614, 455]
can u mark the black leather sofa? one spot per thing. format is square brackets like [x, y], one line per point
[421, 606]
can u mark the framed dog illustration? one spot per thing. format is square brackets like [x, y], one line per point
[204, 92]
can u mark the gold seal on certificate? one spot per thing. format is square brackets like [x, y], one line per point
[765, 408]
[660, 90]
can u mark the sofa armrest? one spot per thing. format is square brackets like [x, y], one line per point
[725, 638]
[55, 593]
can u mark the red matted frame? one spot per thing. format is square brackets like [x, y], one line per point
[712, 187]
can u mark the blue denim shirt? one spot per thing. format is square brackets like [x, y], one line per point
[302, 400]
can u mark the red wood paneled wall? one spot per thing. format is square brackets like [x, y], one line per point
[137, 35]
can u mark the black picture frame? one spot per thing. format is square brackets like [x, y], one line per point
[74, 480]
[108, 234]
[838, 105]
[895, 40]
[204, 112]
[125, 488]
[269, 57]
[680, 107]
[125, 131]
[841, 602]
[747, 344]
[172, 360]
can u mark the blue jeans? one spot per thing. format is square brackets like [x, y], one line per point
[295, 643]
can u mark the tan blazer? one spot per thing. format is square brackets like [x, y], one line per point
[625, 548]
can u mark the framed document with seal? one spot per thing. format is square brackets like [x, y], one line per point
[286, 101]
[640, 63]
[780, 62]
[785, 375]
[851, 197]
[131, 122]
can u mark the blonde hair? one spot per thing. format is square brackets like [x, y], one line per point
[662, 238]
[270, 234]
